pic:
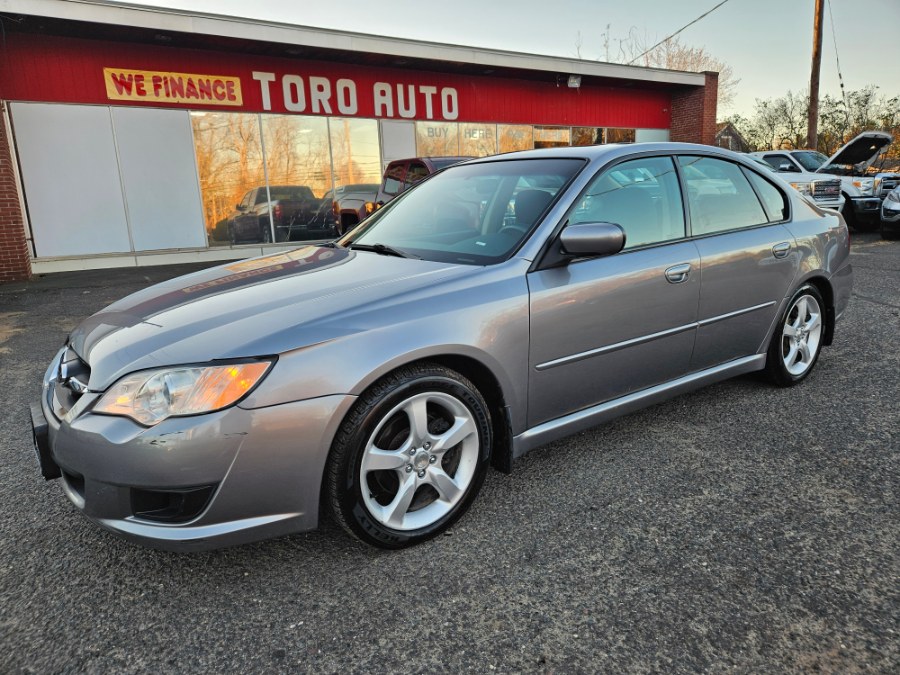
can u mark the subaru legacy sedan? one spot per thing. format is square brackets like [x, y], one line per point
[499, 305]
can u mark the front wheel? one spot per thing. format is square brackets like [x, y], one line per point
[797, 341]
[410, 457]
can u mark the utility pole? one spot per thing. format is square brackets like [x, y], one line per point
[812, 126]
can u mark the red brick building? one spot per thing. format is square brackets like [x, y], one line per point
[132, 136]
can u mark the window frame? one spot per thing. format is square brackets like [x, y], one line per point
[547, 258]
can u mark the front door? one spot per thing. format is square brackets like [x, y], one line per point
[604, 327]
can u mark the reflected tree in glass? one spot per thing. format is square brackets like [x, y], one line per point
[230, 165]
[512, 137]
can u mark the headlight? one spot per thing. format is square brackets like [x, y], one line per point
[802, 188]
[150, 396]
[893, 196]
[866, 185]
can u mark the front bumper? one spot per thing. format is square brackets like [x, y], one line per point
[237, 475]
[865, 207]
[890, 216]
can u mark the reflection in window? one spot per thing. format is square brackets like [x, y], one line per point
[230, 165]
[355, 151]
[643, 196]
[299, 167]
[512, 137]
[551, 137]
[719, 196]
[587, 136]
[437, 139]
[477, 140]
[620, 135]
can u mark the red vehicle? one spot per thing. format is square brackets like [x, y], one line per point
[402, 174]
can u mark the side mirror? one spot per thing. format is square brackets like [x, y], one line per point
[592, 239]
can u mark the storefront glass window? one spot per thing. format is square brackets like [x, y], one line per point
[437, 139]
[512, 137]
[230, 166]
[355, 151]
[551, 137]
[298, 161]
[477, 140]
[587, 136]
[620, 135]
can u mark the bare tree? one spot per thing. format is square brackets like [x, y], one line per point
[672, 55]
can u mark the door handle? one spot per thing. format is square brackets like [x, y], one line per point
[678, 273]
[781, 250]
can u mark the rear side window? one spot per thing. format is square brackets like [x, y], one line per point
[720, 197]
[417, 171]
[393, 179]
[773, 200]
[642, 196]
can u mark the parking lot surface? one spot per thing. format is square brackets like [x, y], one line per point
[740, 527]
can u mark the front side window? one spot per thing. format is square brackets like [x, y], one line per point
[777, 161]
[641, 195]
[719, 196]
[475, 214]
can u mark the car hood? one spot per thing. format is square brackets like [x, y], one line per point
[861, 150]
[257, 307]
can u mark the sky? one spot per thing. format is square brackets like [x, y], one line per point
[767, 43]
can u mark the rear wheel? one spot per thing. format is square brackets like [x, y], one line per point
[797, 341]
[410, 457]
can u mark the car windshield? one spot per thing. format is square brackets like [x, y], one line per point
[475, 214]
[810, 160]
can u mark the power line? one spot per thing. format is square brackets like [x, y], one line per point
[838, 59]
[705, 14]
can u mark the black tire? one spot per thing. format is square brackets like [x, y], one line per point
[891, 233]
[381, 422]
[785, 339]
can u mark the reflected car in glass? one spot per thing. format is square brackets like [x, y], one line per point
[501, 304]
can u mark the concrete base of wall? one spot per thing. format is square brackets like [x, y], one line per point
[51, 265]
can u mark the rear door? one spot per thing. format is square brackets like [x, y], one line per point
[748, 258]
[604, 327]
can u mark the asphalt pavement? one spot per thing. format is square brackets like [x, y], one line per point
[740, 528]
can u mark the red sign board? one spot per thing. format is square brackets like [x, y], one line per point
[72, 70]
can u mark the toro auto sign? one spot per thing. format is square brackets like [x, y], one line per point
[88, 71]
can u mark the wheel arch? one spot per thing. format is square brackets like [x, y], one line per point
[490, 388]
[825, 289]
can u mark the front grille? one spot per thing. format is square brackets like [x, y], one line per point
[889, 183]
[826, 189]
[170, 506]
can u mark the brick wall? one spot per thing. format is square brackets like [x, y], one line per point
[694, 113]
[15, 261]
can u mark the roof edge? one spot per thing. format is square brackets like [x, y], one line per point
[183, 21]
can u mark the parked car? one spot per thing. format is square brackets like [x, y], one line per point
[822, 190]
[401, 174]
[293, 211]
[351, 204]
[375, 378]
[890, 215]
[862, 192]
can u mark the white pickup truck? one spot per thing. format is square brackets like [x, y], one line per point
[823, 191]
[861, 192]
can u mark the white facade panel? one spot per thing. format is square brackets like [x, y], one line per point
[398, 141]
[162, 195]
[71, 179]
[651, 136]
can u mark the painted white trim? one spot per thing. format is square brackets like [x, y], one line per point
[183, 21]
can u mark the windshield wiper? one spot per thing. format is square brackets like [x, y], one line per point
[383, 250]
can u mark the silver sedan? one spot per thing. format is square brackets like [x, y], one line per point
[500, 305]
